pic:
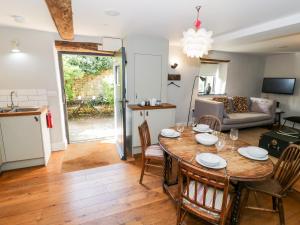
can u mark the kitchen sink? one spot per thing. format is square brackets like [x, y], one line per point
[25, 109]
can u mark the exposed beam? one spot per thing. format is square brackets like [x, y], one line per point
[208, 60]
[62, 15]
[81, 47]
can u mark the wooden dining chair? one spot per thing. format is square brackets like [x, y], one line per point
[213, 122]
[150, 153]
[286, 173]
[203, 194]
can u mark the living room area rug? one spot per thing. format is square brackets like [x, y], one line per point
[80, 156]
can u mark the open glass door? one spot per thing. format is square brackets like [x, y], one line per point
[120, 102]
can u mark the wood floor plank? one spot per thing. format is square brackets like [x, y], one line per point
[106, 195]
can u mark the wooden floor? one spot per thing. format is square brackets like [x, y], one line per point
[106, 195]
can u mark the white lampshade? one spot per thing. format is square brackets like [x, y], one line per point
[197, 43]
[15, 47]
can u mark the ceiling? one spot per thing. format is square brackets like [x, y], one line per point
[243, 26]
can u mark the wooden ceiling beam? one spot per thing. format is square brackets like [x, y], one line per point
[81, 47]
[207, 60]
[62, 15]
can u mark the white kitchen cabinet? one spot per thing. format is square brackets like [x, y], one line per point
[22, 138]
[138, 118]
[157, 118]
[25, 141]
[1, 150]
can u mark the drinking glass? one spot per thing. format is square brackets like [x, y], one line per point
[234, 135]
[179, 127]
[221, 142]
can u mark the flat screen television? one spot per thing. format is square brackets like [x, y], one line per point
[279, 85]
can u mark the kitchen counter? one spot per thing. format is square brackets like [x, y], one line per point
[39, 111]
[161, 106]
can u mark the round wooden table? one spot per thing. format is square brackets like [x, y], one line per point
[239, 168]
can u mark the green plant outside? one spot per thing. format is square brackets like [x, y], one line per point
[79, 66]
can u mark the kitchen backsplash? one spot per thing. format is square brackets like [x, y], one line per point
[24, 97]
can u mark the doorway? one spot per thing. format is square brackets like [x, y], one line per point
[88, 85]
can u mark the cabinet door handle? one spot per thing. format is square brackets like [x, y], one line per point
[147, 114]
[36, 119]
[141, 113]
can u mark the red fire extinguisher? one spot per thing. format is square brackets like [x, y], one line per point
[49, 119]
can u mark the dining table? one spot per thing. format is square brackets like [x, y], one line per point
[239, 168]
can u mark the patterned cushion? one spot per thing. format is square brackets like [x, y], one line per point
[240, 104]
[208, 199]
[261, 105]
[154, 150]
[225, 101]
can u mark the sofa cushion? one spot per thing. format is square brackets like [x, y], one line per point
[225, 101]
[261, 105]
[236, 118]
[240, 104]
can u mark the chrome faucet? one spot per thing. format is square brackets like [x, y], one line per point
[12, 105]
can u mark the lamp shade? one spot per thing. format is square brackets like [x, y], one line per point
[197, 43]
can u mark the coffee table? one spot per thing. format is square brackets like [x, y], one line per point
[293, 119]
[275, 141]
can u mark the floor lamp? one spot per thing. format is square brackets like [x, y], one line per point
[202, 79]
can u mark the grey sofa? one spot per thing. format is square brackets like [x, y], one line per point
[262, 112]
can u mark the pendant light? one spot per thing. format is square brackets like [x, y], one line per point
[197, 42]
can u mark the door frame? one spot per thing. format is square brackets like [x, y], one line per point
[62, 83]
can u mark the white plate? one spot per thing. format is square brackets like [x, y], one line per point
[243, 152]
[175, 135]
[206, 139]
[256, 152]
[222, 163]
[168, 132]
[209, 159]
[202, 131]
[202, 126]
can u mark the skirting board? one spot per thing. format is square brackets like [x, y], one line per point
[22, 164]
[59, 146]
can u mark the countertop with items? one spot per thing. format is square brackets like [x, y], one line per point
[23, 111]
[161, 106]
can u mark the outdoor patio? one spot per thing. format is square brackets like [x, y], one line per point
[86, 129]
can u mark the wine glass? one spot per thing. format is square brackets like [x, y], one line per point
[234, 135]
[179, 127]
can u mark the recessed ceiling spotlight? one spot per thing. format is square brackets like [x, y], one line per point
[111, 12]
[18, 19]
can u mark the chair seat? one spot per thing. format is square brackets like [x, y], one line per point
[269, 186]
[154, 151]
[208, 199]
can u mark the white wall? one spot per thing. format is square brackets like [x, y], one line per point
[145, 45]
[244, 77]
[36, 67]
[285, 65]
[33, 68]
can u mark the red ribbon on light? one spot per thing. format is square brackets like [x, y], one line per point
[198, 22]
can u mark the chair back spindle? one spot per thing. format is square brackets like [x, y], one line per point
[204, 193]
[287, 169]
[212, 121]
[144, 136]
